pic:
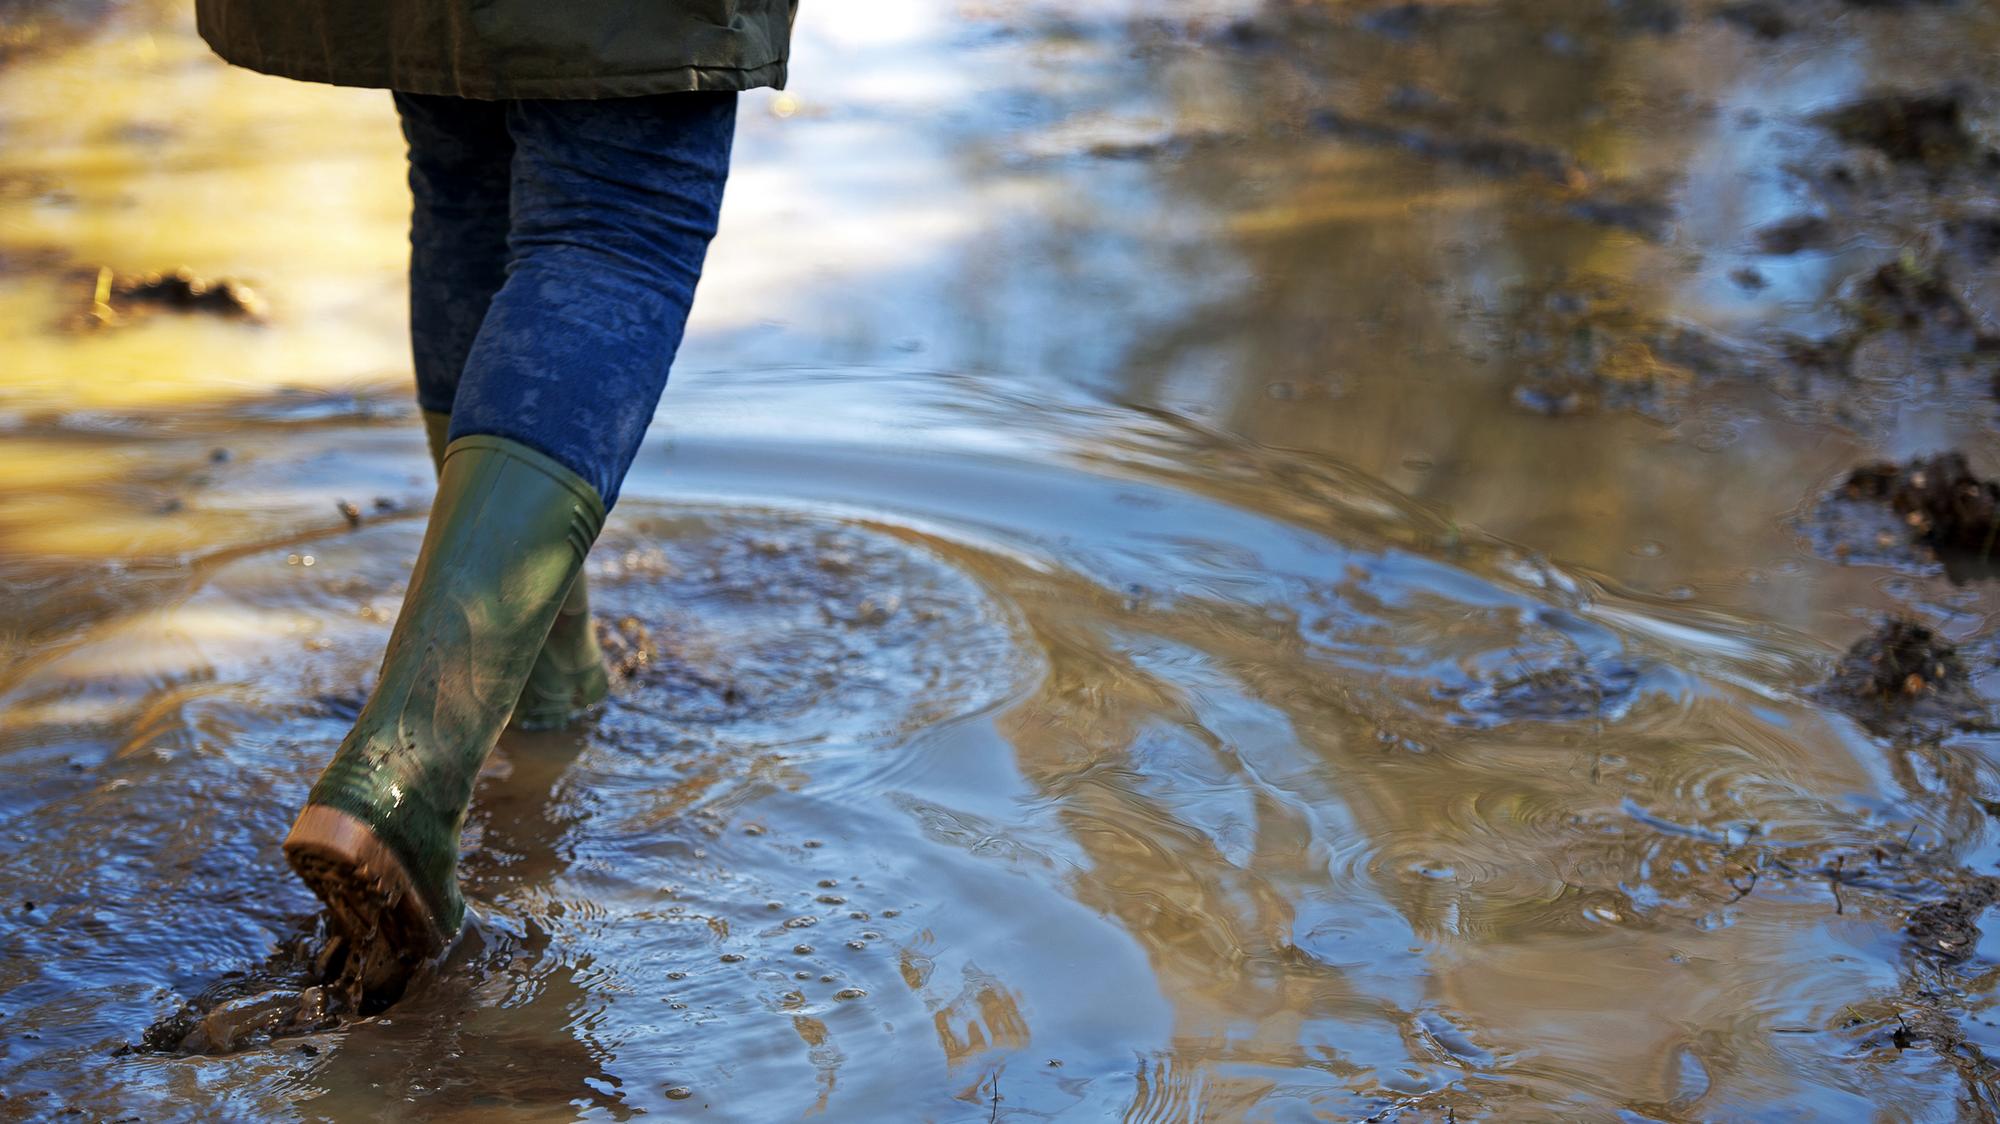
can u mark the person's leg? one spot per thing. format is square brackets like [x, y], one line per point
[613, 206]
[461, 169]
[461, 165]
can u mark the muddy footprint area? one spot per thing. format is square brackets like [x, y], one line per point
[722, 631]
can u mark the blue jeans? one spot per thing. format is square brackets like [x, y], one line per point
[554, 250]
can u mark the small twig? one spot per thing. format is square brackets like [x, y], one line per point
[1744, 890]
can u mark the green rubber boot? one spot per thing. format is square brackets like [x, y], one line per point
[378, 839]
[569, 677]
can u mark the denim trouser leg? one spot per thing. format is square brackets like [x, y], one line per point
[611, 205]
[461, 159]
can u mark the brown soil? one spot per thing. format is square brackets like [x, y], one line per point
[1900, 660]
[1905, 682]
[1922, 128]
[309, 983]
[1939, 499]
[1948, 929]
[112, 298]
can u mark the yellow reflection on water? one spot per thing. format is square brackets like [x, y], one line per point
[140, 151]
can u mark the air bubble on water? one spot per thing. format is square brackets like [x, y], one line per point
[801, 922]
[849, 993]
[732, 958]
[803, 949]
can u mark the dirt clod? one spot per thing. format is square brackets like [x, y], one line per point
[1904, 682]
[1944, 505]
[182, 291]
[1908, 295]
[1926, 128]
[1901, 660]
[1948, 929]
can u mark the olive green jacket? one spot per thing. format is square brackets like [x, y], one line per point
[508, 48]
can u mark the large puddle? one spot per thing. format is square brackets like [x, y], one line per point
[1200, 563]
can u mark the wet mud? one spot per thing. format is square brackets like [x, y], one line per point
[115, 300]
[1944, 505]
[1931, 510]
[1254, 560]
[1925, 129]
[1905, 680]
[1582, 345]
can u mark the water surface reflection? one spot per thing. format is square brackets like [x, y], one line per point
[1242, 564]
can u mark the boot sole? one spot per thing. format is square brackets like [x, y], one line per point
[368, 891]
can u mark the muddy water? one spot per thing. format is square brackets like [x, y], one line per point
[1200, 563]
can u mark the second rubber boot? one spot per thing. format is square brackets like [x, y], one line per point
[569, 677]
[378, 838]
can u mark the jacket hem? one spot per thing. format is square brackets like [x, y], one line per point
[417, 80]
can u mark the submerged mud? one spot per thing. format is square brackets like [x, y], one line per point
[1231, 561]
